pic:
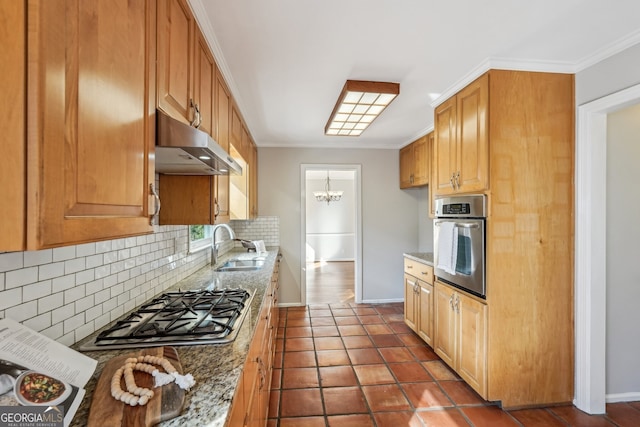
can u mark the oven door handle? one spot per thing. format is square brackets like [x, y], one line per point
[462, 225]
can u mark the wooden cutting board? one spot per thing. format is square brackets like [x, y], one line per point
[165, 404]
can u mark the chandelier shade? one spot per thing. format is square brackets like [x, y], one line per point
[328, 195]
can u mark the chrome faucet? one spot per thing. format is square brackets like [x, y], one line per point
[214, 244]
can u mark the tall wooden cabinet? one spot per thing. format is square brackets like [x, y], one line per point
[88, 169]
[461, 143]
[522, 125]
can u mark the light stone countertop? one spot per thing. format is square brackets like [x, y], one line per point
[215, 367]
[423, 257]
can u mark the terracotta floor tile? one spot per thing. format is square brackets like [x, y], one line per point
[447, 417]
[320, 313]
[280, 332]
[298, 332]
[299, 314]
[272, 422]
[341, 312]
[357, 341]
[401, 328]
[298, 344]
[409, 372]
[393, 318]
[390, 340]
[325, 331]
[439, 370]
[323, 321]
[300, 403]
[348, 320]
[623, 414]
[425, 395]
[389, 309]
[396, 354]
[575, 417]
[344, 400]
[636, 405]
[277, 359]
[280, 344]
[537, 417]
[397, 419]
[424, 353]
[295, 323]
[351, 330]
[387, 397]
[374, 374]
[274, 402]
[371, 319]
[300, 378]
[461, 393]
[299, 359]
[410, 339]
[489, 416]
[339, 305]
[302, 422]
[328, 343]
[332, 357]
[358, 420]
[337, 376]
[378, 329]
[363, 311]
[276, 379]
[364, 356]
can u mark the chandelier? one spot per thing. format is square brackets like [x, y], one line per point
[327, 195]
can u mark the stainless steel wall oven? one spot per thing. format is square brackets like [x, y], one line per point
[459, 242]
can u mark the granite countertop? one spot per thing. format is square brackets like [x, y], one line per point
[423, 257]
[216, 367]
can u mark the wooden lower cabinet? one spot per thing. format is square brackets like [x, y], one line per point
[418, 299]
[460, 337]
[250, 406]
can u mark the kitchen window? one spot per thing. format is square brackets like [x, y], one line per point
[199, 237]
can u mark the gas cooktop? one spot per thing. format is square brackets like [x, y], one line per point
[178, 318]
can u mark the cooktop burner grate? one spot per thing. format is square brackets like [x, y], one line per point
[178, 318]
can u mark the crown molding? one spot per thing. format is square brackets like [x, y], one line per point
[608, 51]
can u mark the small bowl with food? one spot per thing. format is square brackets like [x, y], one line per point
[36, 389]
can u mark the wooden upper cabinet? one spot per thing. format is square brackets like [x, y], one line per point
[415, 163]
[13, 54]
[223, 129]
[253, 182]
[205, 83]
[461, 143]
[89, 167]
[176, 32]
[236, 131]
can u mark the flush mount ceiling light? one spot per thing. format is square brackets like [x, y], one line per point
[359, 103]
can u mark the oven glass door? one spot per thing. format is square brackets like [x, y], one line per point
[459, 253]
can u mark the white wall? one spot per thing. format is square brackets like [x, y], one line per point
[389, 215]
[623, 251]
[331, 226]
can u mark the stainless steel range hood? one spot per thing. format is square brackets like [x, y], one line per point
[185, 150]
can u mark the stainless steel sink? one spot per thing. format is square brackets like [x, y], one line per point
[242, 264]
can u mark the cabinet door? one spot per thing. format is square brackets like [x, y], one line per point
[91, 121]
[445, 324]
[13, 54]
[410, 302]
[472, 342]
[223, 120]
[406, 166]
[204, 84]
[176, 27]
[444, 147]
[186, 200]
[421, 160]
[472, 137]
[425, 312]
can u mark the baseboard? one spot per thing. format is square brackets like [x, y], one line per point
[622, 397]
[290, 304]
[382, 301]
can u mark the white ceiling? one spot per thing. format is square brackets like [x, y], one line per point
[287, 60]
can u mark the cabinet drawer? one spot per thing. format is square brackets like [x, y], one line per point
[419, 270]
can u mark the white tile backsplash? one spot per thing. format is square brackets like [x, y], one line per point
[70, 292]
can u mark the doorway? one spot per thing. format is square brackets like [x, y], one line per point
[331, 230]
[590, 244]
